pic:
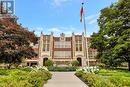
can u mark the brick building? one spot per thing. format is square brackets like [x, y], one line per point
[63, 50]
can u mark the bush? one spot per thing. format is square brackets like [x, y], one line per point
[93, 80]
[103, 83]
[120, 81]
[56, 68]
[79, 73]
[90, 79]
[49, 63]
[28, 69]
[3, 72]
[25, 78]
[15, 83]
[101, 65]
[75, 63]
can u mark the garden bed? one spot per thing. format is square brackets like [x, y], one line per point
[105, 78]
[24, 77]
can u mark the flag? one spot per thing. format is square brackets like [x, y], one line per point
[81, 13]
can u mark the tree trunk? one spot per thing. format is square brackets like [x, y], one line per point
[129, 65]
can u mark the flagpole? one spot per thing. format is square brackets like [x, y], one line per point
[86, 41]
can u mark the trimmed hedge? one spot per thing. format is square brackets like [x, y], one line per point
[63, 68]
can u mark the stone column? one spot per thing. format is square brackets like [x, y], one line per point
[40, 50]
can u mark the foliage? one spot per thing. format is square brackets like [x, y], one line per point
[90, 79]
[93, 69]
[49, 63]
[75, 63]
[111, 72]
[24, 77]
[15, 42]
[101, 65]
[79, 73]
[28, 69]
[61, 69]
[113, 39]
[120, 81]
[106, 78]
[93, 80]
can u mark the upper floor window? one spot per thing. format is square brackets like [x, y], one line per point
[78, 40]
[46, 43]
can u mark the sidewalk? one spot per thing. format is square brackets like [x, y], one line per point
[65, 79]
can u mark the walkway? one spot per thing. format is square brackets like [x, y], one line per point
[65, 79]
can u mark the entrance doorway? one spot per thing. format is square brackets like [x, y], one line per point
[44, 60]
[80, 61]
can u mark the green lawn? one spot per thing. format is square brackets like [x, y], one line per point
[25, 77]
[110, 72]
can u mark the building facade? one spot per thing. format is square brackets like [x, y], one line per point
[62, 50]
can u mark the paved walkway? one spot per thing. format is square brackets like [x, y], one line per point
[64, 79]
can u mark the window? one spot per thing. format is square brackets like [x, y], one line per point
[78, 40]
[62, 44]
[62, 54]
[46, 43]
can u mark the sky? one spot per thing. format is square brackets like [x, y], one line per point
[59, 16]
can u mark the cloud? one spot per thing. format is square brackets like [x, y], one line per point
[92, 21]
[55, 29]
[59, 2]
[58, 30]
[92, 18]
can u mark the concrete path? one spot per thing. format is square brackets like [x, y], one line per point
[64, 79]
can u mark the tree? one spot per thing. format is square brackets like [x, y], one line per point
[15, 41]
[75, 63]
[49, 63]
[113, 39]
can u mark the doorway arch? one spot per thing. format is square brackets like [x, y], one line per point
[80, 61]
[44, 60]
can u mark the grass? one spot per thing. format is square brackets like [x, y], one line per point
[24, 77]
[106, 78]
[117, 72]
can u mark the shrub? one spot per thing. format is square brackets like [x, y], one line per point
[79, 73]
[93, 69]
[37, 79]
[25, 78]
[3, 72]
[28, 69]
[65, 68]
[90, 78]
[120, 81]
[75, 63]
[49, 63]
[15, 83]
[103, 83]
[94, 80]
[101, 65]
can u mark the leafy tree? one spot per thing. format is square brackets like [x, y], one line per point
[15, 41]
[75, 63]
[113, 39]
